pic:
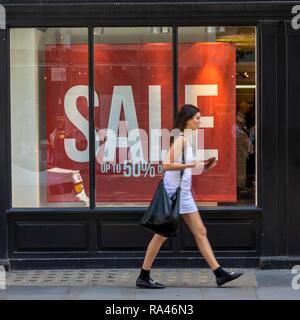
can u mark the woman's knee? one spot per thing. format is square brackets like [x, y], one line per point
[201, 232]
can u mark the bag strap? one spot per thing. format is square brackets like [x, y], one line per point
[182, 160]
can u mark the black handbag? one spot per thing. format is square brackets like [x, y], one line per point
[163, 215]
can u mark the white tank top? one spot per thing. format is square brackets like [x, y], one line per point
[172, 177]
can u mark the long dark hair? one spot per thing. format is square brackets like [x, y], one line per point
[186, 113]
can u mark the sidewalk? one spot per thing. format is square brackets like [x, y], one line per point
[119, 284]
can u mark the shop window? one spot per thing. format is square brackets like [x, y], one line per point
[133, 108]
[133, 85]
[216, 72]
[49, 77]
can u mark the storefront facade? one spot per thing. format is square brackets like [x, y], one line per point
[70, 70]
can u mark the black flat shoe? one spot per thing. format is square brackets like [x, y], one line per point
[148, 283]
[231, 276]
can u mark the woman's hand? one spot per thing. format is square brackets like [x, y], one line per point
[203, 165]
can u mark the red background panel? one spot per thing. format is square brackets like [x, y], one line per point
[140, 66]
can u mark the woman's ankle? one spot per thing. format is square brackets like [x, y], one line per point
[144, 273]
[220, 272]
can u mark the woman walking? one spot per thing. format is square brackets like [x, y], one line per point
[188, 119]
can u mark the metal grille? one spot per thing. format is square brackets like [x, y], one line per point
[122, 277]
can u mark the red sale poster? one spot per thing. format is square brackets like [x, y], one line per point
[134, 87]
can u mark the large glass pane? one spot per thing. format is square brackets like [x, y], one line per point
[217, 74]
[49, 117]
[133, 100]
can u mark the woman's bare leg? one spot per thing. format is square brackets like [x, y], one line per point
[152, 250]
[195, 224]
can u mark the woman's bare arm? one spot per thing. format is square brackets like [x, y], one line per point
[174, 152]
